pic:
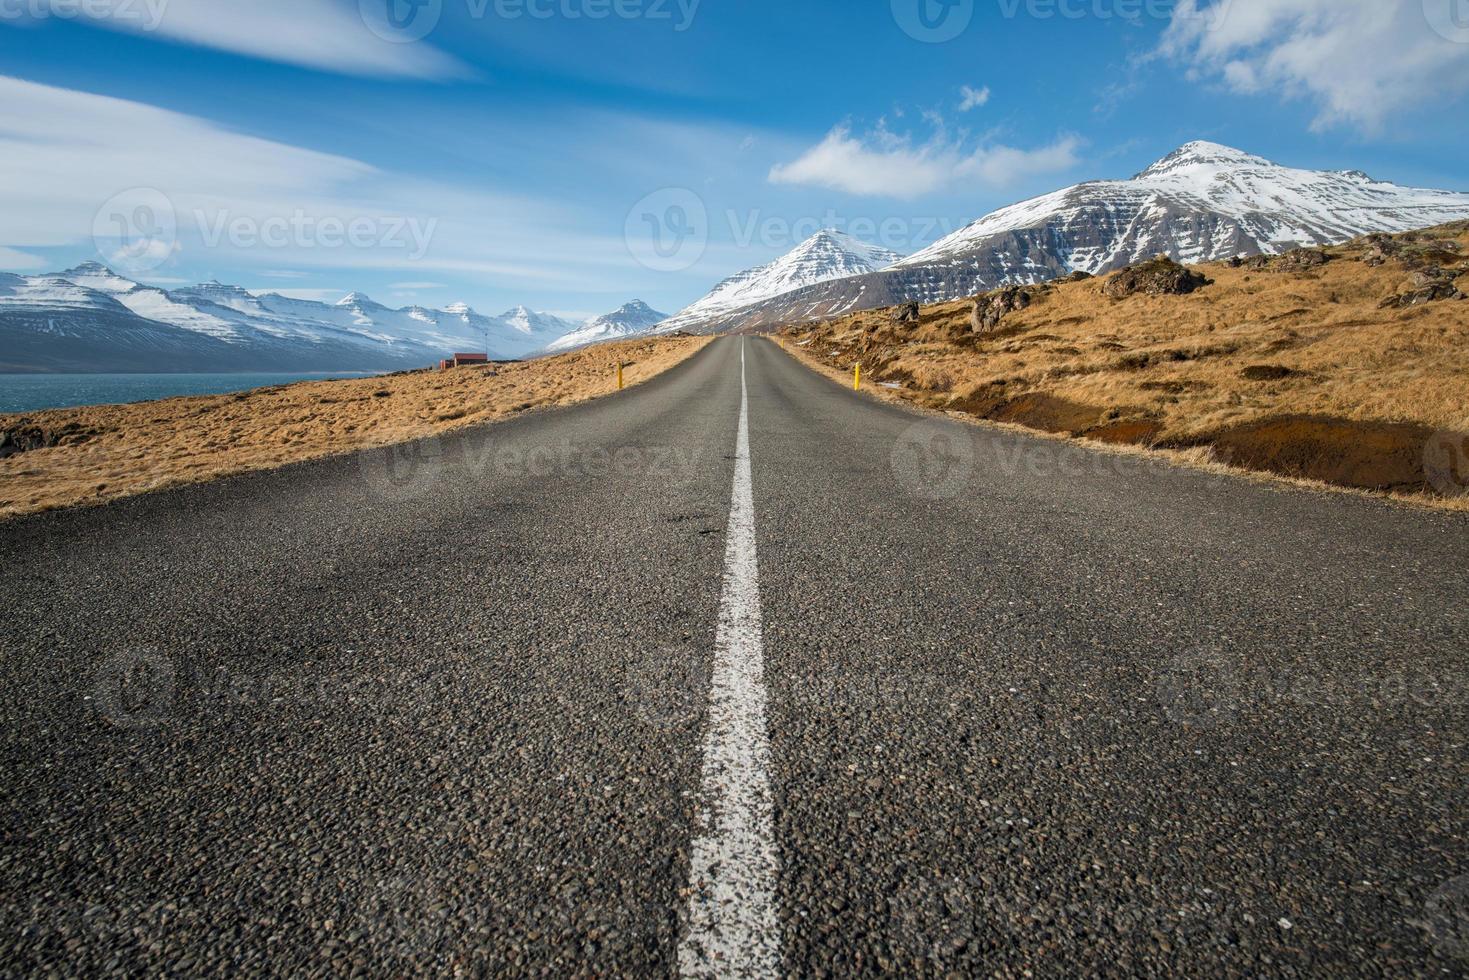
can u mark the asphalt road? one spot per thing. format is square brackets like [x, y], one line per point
[482, 705]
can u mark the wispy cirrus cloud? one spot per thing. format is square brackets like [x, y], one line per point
[1360, 62]
[66, 157]
[329, 35]
[886, 164]
[972, 98]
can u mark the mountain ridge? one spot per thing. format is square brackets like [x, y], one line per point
[1201, 202]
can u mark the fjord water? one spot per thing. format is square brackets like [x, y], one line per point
[34, 392]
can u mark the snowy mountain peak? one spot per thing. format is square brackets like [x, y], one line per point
[459, 309]
[356, 299]
[828, 254]
[632, 319]
[1201, 153]
[87, 269]
[637, 308]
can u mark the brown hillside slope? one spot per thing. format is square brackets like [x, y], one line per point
[1348, 365]
[99, 453]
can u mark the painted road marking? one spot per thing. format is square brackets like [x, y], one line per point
[733, 929]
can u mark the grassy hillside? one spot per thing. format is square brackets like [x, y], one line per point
[1348, 365]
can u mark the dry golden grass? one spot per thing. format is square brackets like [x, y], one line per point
[1175, 371]
[113, 451]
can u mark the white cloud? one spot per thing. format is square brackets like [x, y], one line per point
[1360, 61]
[887, 164]
[331, 35]
[411, 286]
[311, 295]
[973, 98]
[17, 261]
[65, 154]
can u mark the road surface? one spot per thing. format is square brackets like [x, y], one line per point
[735, 673]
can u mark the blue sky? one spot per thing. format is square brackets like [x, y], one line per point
[526, 151]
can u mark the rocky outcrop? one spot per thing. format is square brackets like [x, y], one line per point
[1426, 286]
[907, 313]
[1160, 276]
[991, 308]
[1300, 260]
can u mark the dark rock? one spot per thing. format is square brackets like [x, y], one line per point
[24, 440]
[991, 308]
[1301, 259]
[907, 313]
[1160, 276]
[1077, 276]
[1428, 285]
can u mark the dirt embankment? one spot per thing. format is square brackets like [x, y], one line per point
[99, 453]
[1347, 365]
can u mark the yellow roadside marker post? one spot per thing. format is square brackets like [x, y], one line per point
[857, 377]
[619, 375]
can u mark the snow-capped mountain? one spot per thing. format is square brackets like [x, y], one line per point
[528, 330]
[91, 319]
[823, 257]
[633, 320]
[1200, 203]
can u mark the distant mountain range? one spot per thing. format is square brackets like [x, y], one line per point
[90, 319]
[634, 319]
[1200, 203]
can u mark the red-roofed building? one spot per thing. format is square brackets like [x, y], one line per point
[464, 360]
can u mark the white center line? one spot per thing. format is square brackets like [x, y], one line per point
[733, 930]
